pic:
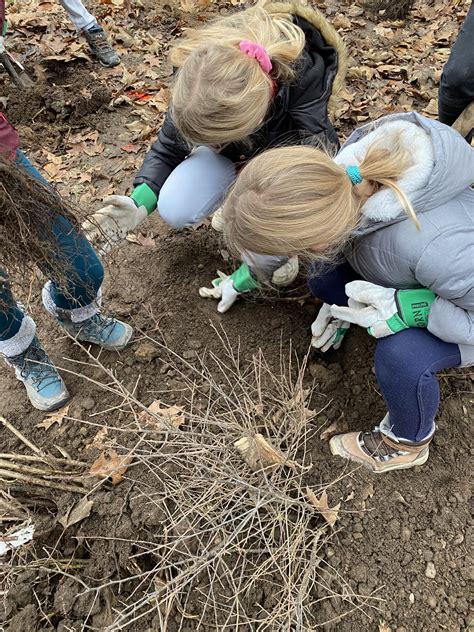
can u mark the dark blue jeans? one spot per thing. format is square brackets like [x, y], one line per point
[457, 81]
[83, 270]
[406, 363]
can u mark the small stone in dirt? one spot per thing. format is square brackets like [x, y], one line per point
[189, 354]
[146, 351]
[467, 573]
[87, 403]
[432, 601]
[462, 605]
[405, 534]
[411, 598]
[430, 571]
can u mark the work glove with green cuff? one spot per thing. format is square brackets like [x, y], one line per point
[227, 288]
[385, 311]
[327, 332]
[111, 224]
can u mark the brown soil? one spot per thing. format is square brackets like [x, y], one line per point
[391, 530]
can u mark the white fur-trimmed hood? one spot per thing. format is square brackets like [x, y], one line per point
[384, 205]
[443, 165]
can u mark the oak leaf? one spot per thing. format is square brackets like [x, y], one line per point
[172, 415]
[321, 505]
[54, 418]
[111, 464]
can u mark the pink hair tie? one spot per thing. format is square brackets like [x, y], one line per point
[257, 52]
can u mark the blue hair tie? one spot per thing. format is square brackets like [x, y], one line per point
[354, 174]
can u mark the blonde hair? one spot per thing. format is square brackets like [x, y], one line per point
[222, 95]
[291, 200]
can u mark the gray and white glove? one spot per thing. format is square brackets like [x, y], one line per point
[328, 332]
[111, 224]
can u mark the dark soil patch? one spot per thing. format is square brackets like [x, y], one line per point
[64, 99]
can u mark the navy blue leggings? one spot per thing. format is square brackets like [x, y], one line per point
[78, 259]
[406, 363]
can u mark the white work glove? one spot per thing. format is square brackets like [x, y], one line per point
[385, 311]
[287, 273]
[111, 224]
[222, 290]
[328, 332]
[228, 288]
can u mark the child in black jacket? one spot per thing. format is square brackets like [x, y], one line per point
[245, 82]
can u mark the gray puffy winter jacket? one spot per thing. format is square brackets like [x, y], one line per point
[387, 249]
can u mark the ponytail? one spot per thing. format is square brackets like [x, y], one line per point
[384, 165]
[299, 201]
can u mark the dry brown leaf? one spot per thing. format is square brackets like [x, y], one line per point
[54, 418]
[367, 491]
[172, 415]
[98, 442]
[111, 464]
[259, 453]
[337, 427]
[321, 505]
[141, 240]
[76, 513]
[432, 108]
[131, 148]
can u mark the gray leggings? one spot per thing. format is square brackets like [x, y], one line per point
[196, 188]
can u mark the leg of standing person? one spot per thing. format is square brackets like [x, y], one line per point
[87, 24]
[21, 349]
[74, 301]
[456, 90]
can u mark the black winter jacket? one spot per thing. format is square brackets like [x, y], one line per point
[299, 113]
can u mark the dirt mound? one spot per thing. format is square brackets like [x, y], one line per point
[61, 100]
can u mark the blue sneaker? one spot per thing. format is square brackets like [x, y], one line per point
[44, 386]
[109, 333]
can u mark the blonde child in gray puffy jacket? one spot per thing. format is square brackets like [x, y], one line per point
[394, 212]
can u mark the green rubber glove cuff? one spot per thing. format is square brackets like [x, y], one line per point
[243, 280]
[144, 195]
[4, 28]
[414, 306]
[340, 333]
